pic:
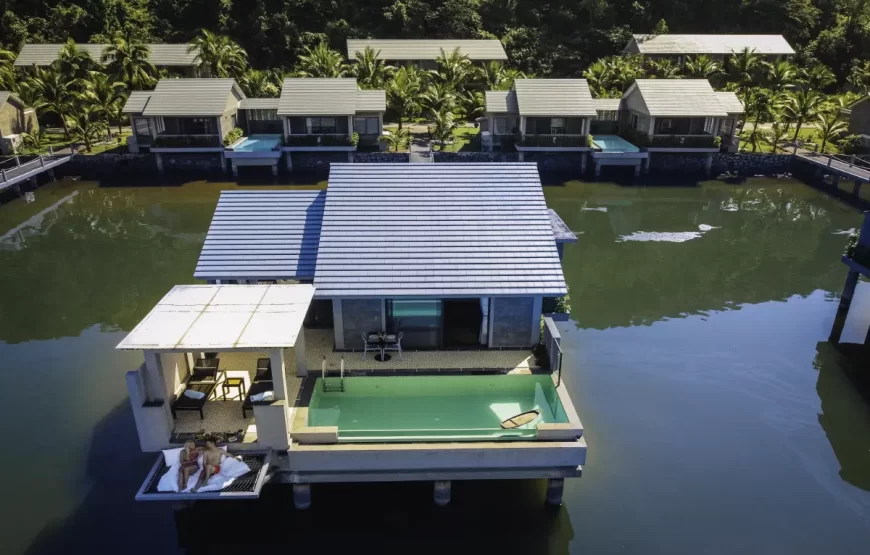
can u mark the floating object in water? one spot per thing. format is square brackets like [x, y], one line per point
[520, 419]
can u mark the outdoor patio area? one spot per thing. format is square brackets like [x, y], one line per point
[320, 343]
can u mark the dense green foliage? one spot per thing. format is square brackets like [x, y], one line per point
[544, 37]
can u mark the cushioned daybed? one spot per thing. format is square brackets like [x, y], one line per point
[256, 388]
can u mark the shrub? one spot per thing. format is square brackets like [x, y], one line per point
[853, 144]
[232, 136]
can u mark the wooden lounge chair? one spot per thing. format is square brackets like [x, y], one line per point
[187, 403]
[256, 388]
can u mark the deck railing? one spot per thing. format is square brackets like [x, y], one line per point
[326, 139]
[553, 344]
[554, 140]
[187, 141]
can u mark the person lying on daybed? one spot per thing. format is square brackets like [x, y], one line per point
[187, 460]
[211, 462]
[214, 468]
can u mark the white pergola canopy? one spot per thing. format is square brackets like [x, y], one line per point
[223, 317]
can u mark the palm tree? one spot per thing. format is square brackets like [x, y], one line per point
[218, 54]
[802, 106]
[396, 140]
[53, 93]
[780, 74]
[436, 98]
[610, 77]
[34, 143]
[105, 96]
[73, 62]
[7, 70]
[402, 92]
[816, 78]
[760, 104]
[472, 104]
[454, 69]
[743, 68]
[776, 134]
[859, 76]
[830, 127]
[128, 63]
[664, 69]
[87, 125]
[321, 61]
[370, 70]
[443, 126]
[702, 66]
[260, 84]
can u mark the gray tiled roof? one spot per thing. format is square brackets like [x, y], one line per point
[730, 102]
[607, 104]
[554, 97]
[259, 104]
[502, 102]
[711, 44]
[427, 49]
[561, 231]
[679, 97]
[263, 235]
[4, 96]
[190, 97]
[318, 97]
[137, 101]
[436, 230]
[371, 101]
[161, 54]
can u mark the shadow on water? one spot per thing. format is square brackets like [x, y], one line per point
[505, 516]
[844, 389]
[108, 518]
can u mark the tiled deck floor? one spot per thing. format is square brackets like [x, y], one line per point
[320, 343]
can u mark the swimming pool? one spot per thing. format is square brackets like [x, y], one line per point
[613, 143]
[258, 143]
[435, 408]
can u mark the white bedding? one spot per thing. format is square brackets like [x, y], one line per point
[231, 469]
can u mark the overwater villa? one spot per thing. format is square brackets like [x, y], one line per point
[194, 117]
[677, 47]
[667, 116]
[172, 57]
[422, 53]
[407, 355]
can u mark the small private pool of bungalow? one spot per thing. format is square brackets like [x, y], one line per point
[435, 408]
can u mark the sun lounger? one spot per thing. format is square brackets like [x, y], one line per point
[187, 403]
[256, 388]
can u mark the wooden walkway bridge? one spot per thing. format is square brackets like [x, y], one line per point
[850, 167]
[13, 175]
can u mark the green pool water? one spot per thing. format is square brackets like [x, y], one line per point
[436, 408]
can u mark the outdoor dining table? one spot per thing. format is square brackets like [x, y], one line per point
[383, 339]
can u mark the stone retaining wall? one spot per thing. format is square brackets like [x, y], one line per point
[204, 162]
[748, 163]
[317, 160]
[677, 163]
[474, 157]
[109, 164]
[556, 161]
[381, 157]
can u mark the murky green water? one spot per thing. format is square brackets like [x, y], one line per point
[716, 416]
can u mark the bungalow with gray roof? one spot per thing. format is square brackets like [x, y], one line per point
[172, 57]
[422, 53]
[540, 115]
[678, 47]
[15, 118]
[329, 115]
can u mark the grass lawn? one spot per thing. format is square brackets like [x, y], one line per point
[461, 139]
[809, 134]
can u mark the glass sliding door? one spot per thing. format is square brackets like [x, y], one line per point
[419, 320]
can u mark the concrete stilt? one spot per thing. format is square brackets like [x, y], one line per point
[235, 170]
[302, 496]
[33, 182]
[224, 163]
[856, 190]
[159, 158]
[708, 165]
[350, 157]
[555, 489]
[51, 174]
[522, 157]
[836, 181]
[597, 169]
[275, 170]
[637, 169]
[583, 162]
[289, 158]
[646, 163]
[843, 308]
[442, 493]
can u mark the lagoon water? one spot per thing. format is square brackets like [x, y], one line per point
[717, 418]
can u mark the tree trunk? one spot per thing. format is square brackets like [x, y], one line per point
[65, 127]
[824, 143]
[797, 132]
[400, 120]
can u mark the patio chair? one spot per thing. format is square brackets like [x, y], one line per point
[371, 342]
[394, 343]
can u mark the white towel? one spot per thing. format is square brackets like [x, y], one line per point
[193, 394]
[264, 396]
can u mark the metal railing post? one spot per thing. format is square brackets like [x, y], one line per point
[4, 175]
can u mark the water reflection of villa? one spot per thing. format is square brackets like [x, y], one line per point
[406, 356]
